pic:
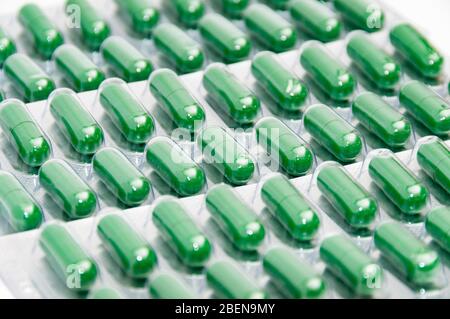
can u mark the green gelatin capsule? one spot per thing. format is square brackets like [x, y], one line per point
[71, 263]
[232, 8]
[127, 113]
[237, 219]
[351, 265]
[128, 249]
[7, 46]
[142, 14]
[329, 74]
[105, 293]
[179, 48]
[230, 94]
[347, 196]
[288, 92]
[333, 132]
[188, 12]
[125, 60]
[416, 49]
[290, 208]
[44, 34]
[17, 206]
[437, 225]
[23, 133]
[224, 38]
[93, 28]
[167, 287]
[272, 30]
[374, 62]
[176, 100]
[79, 71]
[77, 124]
[363, 14]
[284, 146]
[410, 256]
[175, 167]
[181, 232]
[316, 19]
[67, 189]
[434, 159]
[121, 177]
[278, 4]
[222, 151]
[378, 117]
[228, 282]
[398, 183]
[426, 106]
[28, 78]
[295, 278]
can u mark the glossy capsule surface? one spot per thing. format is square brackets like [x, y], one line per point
[187, 12]
[105, 294]
[17, 206]
[286, 89]
[7, 46]
[333, 132]
[121, 177]
[231, 95]
[24, 134]
[290, 208]
[129, 250]
[142, 15]
[278, 4]
[363, 14]
[437, 225]
[166, 286]
[232, 8]
[181, 232]
[434, 158]
[175, 167]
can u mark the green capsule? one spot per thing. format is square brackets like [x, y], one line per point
[167, 287]
[290, 208]
[134, 255]
[105, 293]
[126, 112]
[67, 189]
[237, 219]
[284, 146]
[28, 78]
[350, 199]
[434, 159]
[294, 277]
[333, 132]
[17, 206]
[77, 124]
[175, 167]
[181, 232]
[410, 256]
[125, 60]
[7, 46]
[374, 62]
[232, 8]
[142, 14]
[272, 30]
[398, 183]
[224, 38]
[316, 19]
[176, 100]
[222, 151]
[2, 96]
[278, 4]
[71, 263]
[121, 177]
[93, 28]
[78, 70]
[23, 133]
[286, 89]
[378, 117]
[229, 282]
[188, 12]
[416, 49]
[426, 106]
[44, 34]
[179, 48]
[351, 265]
[329, 74]
[363, 14]
[231, 95]
[437, 225]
